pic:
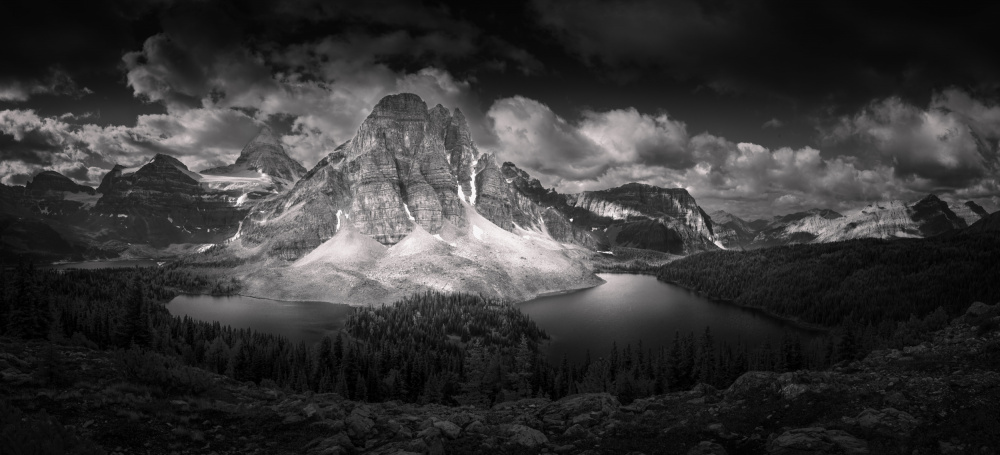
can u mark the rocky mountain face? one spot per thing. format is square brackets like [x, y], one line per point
[636, 215]
[989, 223]
[407, 168]
[412, 180]
[732, 231]
[52, 181]
[793, 228]
[43, 218]
[936, 397]
[969, 211]
[927, 217]
[162, 202]
[263, 157]
[535, 207]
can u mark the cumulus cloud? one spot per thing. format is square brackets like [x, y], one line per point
[607, 149]
[888, 150]
[531, 134]
[983, 118]
[941, 147]
[201, 138]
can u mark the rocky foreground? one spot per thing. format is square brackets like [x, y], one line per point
[937, 397]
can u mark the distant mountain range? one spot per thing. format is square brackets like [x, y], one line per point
[927, 217]
[408, 204]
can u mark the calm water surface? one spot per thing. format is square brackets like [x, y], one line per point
[626, 309]
[629, 308]
[299, 321]
[91, 265]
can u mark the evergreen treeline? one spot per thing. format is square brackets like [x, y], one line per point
[426, 348]
[452, 349]
[853, 283]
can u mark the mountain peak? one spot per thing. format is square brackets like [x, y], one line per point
[400, 103]
[930, 198]
[265, 136]
[54, 181]
[264, 154]
[976, 208]
[162, 157]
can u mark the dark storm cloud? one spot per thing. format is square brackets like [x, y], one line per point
[32, 147]
[57, 43]
[809, 53]
[58, 82]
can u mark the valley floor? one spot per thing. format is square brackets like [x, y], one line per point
[936, 397]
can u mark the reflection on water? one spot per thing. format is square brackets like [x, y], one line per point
[629, 308]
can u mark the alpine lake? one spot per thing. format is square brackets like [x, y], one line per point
[626, 310]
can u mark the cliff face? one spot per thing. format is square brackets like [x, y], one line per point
[644, 216]
[535, 207]
[394, 174]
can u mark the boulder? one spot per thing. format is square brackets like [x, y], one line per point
[573, 406]
[707, 448]
[888, 422]
[816, 441]
[977, 311]
[753, 384]
[526, 436]
[359, 423]
[450, 430]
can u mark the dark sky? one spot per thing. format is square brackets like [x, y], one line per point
[755, 107]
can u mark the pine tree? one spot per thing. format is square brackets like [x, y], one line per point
[847, 348]
[706, 361]
[673, 366]
[136, 328]
[30, 315]
[217, 355]
[686, 364]
[4, 308]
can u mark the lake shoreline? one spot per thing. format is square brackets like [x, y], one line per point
[798, 323]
